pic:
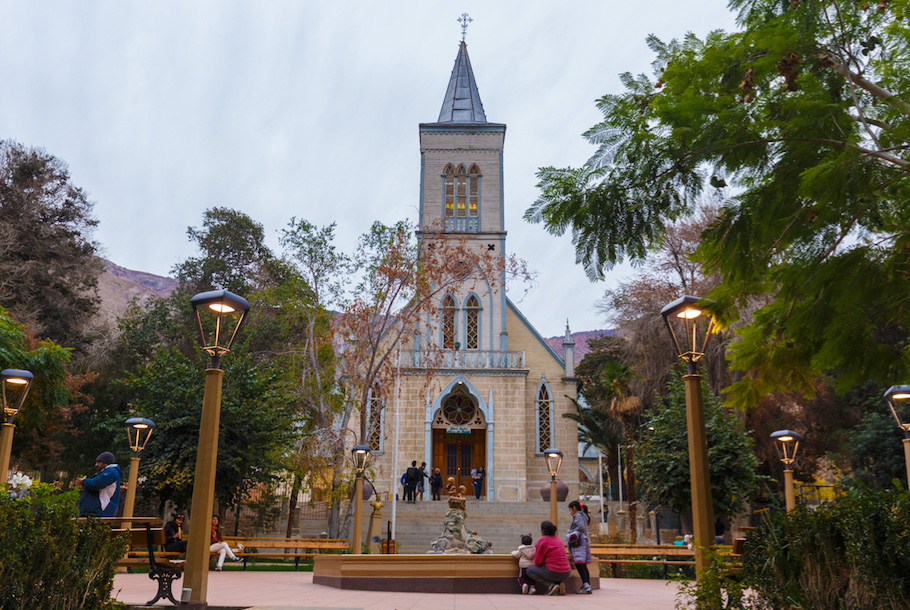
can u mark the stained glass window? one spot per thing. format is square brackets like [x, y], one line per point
[544, 422]
[459, 409]
[448, 322]
[472, 323]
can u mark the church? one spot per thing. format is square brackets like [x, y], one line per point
[498, 397]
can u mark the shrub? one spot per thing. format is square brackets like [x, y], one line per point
[49, 560]
[851, 553]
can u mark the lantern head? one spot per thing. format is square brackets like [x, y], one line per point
[361, 454]
[554, 461]
[15, 386]
[138, 431]
[898, 398]
[219, 314]
[689, 326]
[787, 444]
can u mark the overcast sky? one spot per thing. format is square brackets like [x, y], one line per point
[310, 109]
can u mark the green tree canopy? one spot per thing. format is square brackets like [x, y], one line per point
[805, 114]
[48, 268]
[662, 455]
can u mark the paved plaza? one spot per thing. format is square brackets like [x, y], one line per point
[296, 591]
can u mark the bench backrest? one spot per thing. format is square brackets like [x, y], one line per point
[290, 543]
[140, 537]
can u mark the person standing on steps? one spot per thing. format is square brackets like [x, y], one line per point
[420, 482]
[412, 475]
[580, 543]
[436, 483]
[477, 477]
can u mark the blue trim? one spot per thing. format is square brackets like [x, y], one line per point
[462, 127]
[423, 159]
[502, 195]
[536, 334]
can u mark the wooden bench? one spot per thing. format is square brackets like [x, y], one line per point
[664, 554]
[296, 548]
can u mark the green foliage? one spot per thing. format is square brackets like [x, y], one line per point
[49, 560]
[254, 433]
[47, 261]
[805, 114]
[876, 453]
[720, 586]
[662, 455]
[846, 554]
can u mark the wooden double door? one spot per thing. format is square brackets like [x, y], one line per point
[456, 454]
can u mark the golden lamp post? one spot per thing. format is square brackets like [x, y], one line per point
[554, 461]
[687, 325]
[15, 384]
[219, 315]
[138, 431]
[361, 455]
[787, 444]
[898, 397]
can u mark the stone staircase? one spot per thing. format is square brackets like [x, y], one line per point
[501, 523]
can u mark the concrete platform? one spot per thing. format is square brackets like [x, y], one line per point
[296, 591]
[427, 573]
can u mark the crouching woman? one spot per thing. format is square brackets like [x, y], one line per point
[551, 565]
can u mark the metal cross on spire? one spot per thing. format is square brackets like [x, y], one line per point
[464, 20]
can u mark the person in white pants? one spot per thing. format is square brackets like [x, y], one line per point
[219, 545]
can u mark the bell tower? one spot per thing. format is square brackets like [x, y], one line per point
[461, 193]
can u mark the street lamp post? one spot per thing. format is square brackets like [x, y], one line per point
[554, 461]
[897, 397]
[682, 317]
[138, 431]
[217, 311]
[15, 384]
[787, 444]
[361, 455]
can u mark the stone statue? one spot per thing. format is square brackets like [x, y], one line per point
[455, 538]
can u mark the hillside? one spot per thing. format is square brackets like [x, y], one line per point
[581, 341]
[118, 286]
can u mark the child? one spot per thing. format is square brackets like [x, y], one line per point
[525, 555]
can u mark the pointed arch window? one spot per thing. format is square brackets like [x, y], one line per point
[473, 190]
[472, 322]
[544, 418]
[448, 322]
[449, 176]
[374, 423]
[461, 191]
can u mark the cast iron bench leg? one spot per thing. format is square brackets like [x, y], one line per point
[165, 589]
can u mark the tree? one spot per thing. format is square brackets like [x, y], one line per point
[255, 428]
[662, 455]
[805, 114]
[876, 455]
[48, 267]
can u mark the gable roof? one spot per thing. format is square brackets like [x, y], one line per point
[537, 335]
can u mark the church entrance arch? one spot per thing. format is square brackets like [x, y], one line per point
[459, 439]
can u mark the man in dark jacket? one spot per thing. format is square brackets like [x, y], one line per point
[101, 493]
[174, 538]
[412, 476]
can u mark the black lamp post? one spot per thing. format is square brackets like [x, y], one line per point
[15, 384]
[554, 461]
[690, 330]
[898, 397]
[361, 455]
[138, 431]
[219, 315]
[787, 444]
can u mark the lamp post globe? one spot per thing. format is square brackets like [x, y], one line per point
[898, 399]
[14, 387]
[787, 444]
[361, 455]
[554, 461]
[690, 330]
[219, 315]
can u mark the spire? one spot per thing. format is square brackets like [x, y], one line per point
[462, 100]
[568, 352]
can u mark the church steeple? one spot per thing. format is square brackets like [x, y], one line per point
[462, 100]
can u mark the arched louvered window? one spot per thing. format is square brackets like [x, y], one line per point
[472, 323]
[449, 186]
[544, 418]
[473, 190]
[461, 192]
[448, 322]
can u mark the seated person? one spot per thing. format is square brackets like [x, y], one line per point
[174, 539]
[551, 563]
